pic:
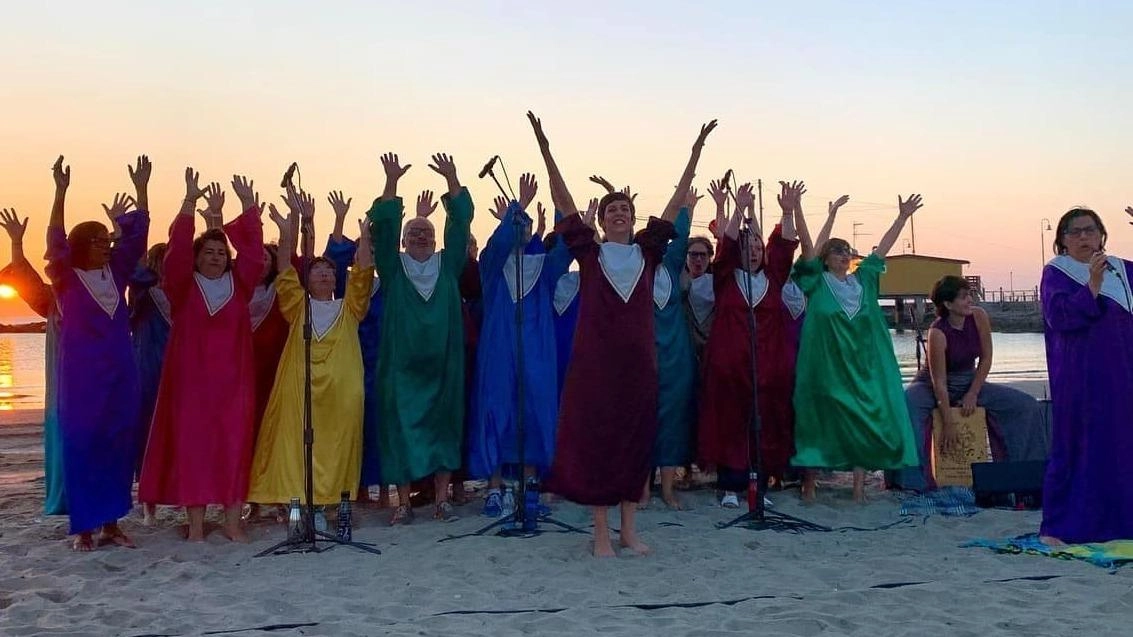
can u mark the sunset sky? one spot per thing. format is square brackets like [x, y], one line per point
[1000, 114]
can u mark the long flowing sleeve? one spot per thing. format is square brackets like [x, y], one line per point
[457, 227]
[357, 296]
[678, 247]
[58, 255]
[132, 244]
[807, 273]
[290, 295]
[341, 254]
[727, 260]
[780, 254]
[385, 232]
[577, 236]
[558, 259]
[177, 269]
[246, 233]
[1067, 305]
[655, 237]
[500, 245]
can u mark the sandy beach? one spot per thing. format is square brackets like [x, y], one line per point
[912, 579]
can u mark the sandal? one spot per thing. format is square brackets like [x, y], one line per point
[444, 513]
[83, 543]
[115, 536]
[403, 515]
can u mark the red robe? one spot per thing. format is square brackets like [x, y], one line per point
[725, 415]
[608, 419]
[268, 339]
[201, 442]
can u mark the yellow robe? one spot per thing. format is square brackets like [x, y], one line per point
[337, 395]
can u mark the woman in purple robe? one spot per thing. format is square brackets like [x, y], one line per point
[1088, 308]
[608, 417]
[98, 380]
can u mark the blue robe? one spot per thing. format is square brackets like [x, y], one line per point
[676, 360]
[492, 441]
[341, 253]
[149, 326]
[98, 381]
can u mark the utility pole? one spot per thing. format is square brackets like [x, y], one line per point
[913, 231]
[858, 234]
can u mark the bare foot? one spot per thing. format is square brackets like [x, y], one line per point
[112, 534]
[673, 502]
[1051, 541]
[149, 515]
[236, 533]
[809, 492]
[636, 546]
[192, 535]
[83, 543]
[643, 504]
[859, 496]
[604, 549]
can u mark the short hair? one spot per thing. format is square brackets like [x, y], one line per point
[945, 291]
[829, 247]
[405, 228]
[79, 240]
[702, 240]
[155, 256]
[1064, 225]
[610, 198]
[213, 234]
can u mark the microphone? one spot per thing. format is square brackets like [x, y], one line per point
[288, 175]
[726, 181]
[488, 166]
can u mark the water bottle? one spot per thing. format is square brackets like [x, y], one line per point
[509, 502]
[295, 530]
[344, 532]
[531, 505]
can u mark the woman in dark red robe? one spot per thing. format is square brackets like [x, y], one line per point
[726, 417]
[608, 419]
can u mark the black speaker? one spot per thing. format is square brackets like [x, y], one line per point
[1018, 485]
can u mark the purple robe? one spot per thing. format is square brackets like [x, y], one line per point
[1089, 350]
[98, 380]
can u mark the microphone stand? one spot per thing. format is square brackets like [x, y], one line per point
[521, 522]
[758, 518]
[309, 543]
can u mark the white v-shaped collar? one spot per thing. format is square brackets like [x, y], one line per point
[324, 314]
[848, 293]
[701, 297]
[755, 284]
[216, 292]
[1114, 286]
[101, 287]
[422, 274]
[161, 302]
[662, 287]
[622, 265]
[794, 299]
[262, 300]
[376, 286]
[530, 268]
[566, 291]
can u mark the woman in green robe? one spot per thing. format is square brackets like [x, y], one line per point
[850, 410]
[420, 378]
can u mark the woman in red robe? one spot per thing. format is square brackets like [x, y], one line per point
[201, 443]
[725, 417]
[608, 419]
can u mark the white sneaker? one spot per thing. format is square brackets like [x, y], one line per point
[730, 500]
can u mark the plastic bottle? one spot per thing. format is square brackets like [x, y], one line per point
[295, 530]
[345, 531]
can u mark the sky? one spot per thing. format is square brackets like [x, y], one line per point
[1000, 114]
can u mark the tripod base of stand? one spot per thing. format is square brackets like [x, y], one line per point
[773, 521]
[311, 545]
[517, 529]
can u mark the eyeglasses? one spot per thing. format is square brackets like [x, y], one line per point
[1088, 231]
[699, 255]
[840, 251]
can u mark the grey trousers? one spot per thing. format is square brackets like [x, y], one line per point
[1015, 426]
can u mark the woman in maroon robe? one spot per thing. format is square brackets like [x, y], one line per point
[608, 419]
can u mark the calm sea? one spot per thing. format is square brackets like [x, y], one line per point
[1018, 357]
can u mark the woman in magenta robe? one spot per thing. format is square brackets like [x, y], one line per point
[726, 405]
[608, 418]
[203, 433]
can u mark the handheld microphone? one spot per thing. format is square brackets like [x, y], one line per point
[288, 175]
[726, 181]
[488, 166]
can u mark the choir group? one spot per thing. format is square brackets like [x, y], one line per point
[183, 366]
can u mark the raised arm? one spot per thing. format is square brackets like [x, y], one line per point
[394, 172]
[685, 182]
[458, 220]
[246, 233]
[716, 189]
[62, 177]
[444, 166]
[790, 199]
[15, 229]
[906, 208]
[177, 271]
[213, 214]
[340, 206]
[744, 197]
[140, 174]
[560, 195]
[828, 227]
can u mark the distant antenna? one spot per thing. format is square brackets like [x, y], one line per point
[858, 234]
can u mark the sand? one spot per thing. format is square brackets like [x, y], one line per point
[912, 579]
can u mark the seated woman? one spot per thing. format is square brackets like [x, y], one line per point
[1088, 308]
[959, 337]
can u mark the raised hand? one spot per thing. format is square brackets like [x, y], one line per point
[542, 222]
[279, 220]
[908, 206]
[719, 194]
[245, 191]
[121, 205]
[392, 165]
[364, 257]
[704, 132]
[1129, 211]
[527, 189]
[12, 224]
[339, 204]
[499, 207]
[745, 197]
[140, 171]
[425, 204]
[790, 196]
[591, 212]
[306, 206]
[629, 193]
[444, 166]
[537, 126]
[603, 182]
[61, 174]
[691, 199]
[214, 199]
[193, 190]
[833, 206]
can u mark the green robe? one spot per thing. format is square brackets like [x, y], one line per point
[420, 377]
[676, 361]
[849, 403]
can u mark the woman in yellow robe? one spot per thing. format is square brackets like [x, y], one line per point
[337, 391]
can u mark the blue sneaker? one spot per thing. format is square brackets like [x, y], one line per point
[493, 504]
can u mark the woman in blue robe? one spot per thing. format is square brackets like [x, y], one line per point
[149, 327]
